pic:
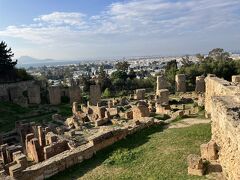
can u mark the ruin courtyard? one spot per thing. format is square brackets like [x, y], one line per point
[36, 150]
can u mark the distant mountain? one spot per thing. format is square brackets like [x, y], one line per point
[30, 60]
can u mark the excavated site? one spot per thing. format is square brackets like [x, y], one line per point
[35, 151]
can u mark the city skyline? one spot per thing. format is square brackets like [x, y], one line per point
[80, 29]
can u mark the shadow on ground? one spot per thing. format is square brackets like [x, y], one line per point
[131, 142]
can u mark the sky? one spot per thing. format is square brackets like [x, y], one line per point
[76, 29]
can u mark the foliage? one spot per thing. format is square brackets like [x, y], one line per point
[170, 72]
[122, 66]
[107, 93]
[8, 72]
[23, 75]
[217, 62]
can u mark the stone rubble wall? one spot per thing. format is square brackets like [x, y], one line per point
[4, 94]
[71, 157]
[226, 133]
[222, 102]
[217, 87]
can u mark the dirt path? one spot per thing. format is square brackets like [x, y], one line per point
[188, 122]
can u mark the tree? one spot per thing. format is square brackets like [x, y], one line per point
[122, 66]
[218, 54]
[132, 74]
[7, 65]
[186, 61]
[200, 57]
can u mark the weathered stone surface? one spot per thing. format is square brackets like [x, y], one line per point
[140, 94]
[200, 84]
[195, 165]
[236, 78]
[34, 94]
[140, 111]
[209, 151]
[180, 82]
[163, 97]
[74, 94]
[95, 94]
[161, 83]
[226, 133]
[54, 95]
[217, 87]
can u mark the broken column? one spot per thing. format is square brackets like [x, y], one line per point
[95, 94]
[140, 94]
[161, 83]
[236, 78]
[41, 136]
[54, 95]
[3, 149]
[34, 94]
[74, 94]
[200, 84]
[163, 97]
[180, 82]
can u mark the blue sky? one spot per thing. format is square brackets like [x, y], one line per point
[72, 29]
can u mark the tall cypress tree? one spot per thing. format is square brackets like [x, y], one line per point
[7, 65]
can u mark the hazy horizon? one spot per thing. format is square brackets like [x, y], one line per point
[71, 30]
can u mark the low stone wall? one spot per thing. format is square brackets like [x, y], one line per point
[71, 157]
[226, 133]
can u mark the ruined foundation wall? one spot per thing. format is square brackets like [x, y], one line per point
[71, 157]
[217, 87]
[4, 94]
[226, 133]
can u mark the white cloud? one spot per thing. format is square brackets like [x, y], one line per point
[131, 20]
[62, 18]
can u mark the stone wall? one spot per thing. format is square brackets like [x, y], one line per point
[74, 94]
[4, 88]
[34, 94]
[223, 103]
[226, 133]
[217, 87]
[54, 95]
[71, 157]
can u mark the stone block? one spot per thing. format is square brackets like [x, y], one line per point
[195, 165]
[209, 151]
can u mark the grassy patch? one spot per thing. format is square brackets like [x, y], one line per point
[149, 154]
[10, 113]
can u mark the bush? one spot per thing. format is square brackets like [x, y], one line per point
[107, 93]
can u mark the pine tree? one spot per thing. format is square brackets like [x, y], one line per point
[6, 63]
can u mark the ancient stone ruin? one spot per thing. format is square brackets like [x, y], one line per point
[180, 82]
[95, 94]
[200, 84]
[222, 104]
[54, 95]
